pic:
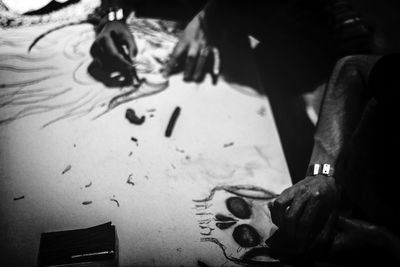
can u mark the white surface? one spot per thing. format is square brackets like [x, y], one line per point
[156, 223]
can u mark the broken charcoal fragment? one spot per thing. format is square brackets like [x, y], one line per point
[131, 116]
[19, 198]
[229, 144]
[172, 121]
[66, 169]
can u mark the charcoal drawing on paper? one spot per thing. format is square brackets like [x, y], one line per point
[237, 220]
[53, 77]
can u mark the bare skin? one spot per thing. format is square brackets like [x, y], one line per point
[307, 212]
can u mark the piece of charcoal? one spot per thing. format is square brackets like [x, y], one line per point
[131, 116]
[172, 121]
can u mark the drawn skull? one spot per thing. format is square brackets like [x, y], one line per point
[238, 220]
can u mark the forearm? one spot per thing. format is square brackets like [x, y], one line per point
[341, 109]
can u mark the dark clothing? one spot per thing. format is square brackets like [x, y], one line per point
[367, 168]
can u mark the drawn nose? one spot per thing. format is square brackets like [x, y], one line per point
[224, 222]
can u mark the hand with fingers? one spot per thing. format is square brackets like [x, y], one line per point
[305, 214]
[113, 51]
[195, 49]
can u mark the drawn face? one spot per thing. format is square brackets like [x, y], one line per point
[238, 220]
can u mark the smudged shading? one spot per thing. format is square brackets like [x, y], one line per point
[246, 236]
[179, 150]
[67, 169]
[131, 116]
[261, 111]
[238, 207]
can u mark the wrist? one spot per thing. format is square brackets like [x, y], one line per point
[324, 169]
[112, 14]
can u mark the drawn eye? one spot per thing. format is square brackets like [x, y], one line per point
[238, 207]
[246, 236]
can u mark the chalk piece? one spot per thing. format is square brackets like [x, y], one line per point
[131, 116]
[68, 168]
[172, 122]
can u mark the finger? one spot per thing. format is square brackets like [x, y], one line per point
[127, 43]
[179, 49]
[114, 55]
[199, 71]
[279, 205]
[311, 221]
[293, 215]
[190, 62]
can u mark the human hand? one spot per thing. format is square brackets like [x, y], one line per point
[114, 47]
[194, 44]
[305, 213]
